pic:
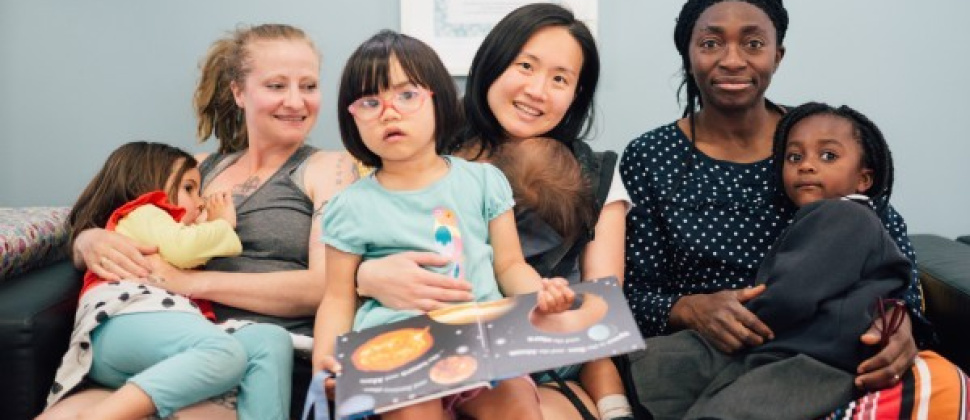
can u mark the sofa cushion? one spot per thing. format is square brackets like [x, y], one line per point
[31, 237]
[965, 239]
[944, 267]
[36, 317]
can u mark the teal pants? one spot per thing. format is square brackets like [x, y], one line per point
[180, 358]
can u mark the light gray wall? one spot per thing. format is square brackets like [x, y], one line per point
[78, 78]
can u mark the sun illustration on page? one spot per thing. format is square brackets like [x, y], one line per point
[392, 349]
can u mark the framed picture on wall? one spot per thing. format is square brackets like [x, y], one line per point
[455, 28]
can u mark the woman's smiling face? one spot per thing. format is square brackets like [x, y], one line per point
[280, 96]
[733, 54]
[533, 94]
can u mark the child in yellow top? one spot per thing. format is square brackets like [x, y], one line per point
[158, 349]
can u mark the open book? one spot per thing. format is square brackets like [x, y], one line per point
[476, 344]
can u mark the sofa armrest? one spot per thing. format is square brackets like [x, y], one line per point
[36, 319]
[965, 239]
[944, 267]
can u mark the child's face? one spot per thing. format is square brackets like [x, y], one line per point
[532, 96]
[189, 195]
[823, 160]
[397, 124]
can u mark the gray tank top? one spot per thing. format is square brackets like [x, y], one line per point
[273, 224]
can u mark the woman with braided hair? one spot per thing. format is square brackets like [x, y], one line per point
[704, 212]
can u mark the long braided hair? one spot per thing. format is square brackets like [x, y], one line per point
[875, 151]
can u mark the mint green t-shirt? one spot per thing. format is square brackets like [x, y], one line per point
[449, 217]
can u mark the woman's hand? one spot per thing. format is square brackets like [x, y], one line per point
[165, 276]
[111, 256]
[555, 296]
[398, 281]
[722, 318]
[891, 363]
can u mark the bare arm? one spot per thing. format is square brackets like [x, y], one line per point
[886, 367]
[184, 246]
[336, 311]
[399, 281]
[110, 255]
[282, 293]
[515, 276]
[604, 256]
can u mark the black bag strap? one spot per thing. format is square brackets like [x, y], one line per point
[598, 169]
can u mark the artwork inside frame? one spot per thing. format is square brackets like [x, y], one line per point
[455, 28]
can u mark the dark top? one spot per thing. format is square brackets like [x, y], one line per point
[273, 224]
[707, 227]
[824, 276]
[545, 249]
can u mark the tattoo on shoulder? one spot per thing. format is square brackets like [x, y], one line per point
[340, 170]
[246, 187]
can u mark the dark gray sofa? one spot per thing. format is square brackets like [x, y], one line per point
[36, 318]
[945, 276]
[37, 310]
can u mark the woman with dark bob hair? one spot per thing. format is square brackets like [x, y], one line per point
[705, 212]
[535, 77]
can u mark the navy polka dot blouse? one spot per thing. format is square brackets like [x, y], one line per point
[706, 227]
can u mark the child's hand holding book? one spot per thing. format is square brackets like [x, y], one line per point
[555, 296]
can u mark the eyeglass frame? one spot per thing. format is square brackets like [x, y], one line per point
[423, 95]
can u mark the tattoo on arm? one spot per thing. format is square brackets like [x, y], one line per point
[246, 187]
[347, 172]
[340, 170]
[319, 210]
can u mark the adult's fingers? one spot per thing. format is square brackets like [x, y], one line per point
[885, 370]
[129, 261]
[443, 295]
[441, 281]
[749, 293]
[427, 258]
[125, 269]
[98, 267]
[731, 325]
[712, 316]
[758, 331]
[891, 362]
[428, 305]
[724, 341]
[436, 293]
